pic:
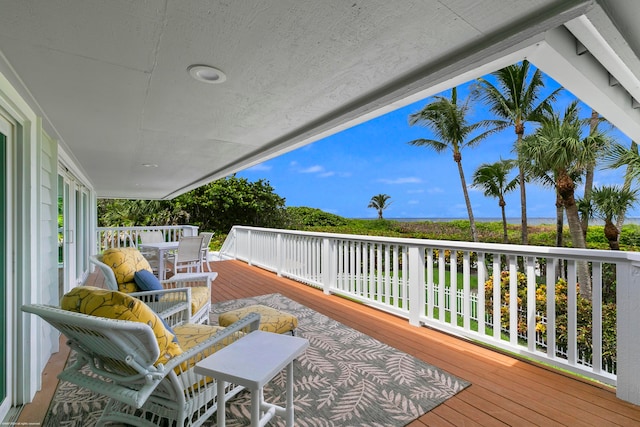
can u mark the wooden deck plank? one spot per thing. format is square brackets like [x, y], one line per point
[504, 390]
[473, 412]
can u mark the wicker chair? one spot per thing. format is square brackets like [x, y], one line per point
[200, 284]
[119, 359]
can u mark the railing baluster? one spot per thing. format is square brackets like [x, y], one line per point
[551, 307]
[513, 300]
[531, 303]
[596, 313]
[430, 290]
[572, 312]
[497, 297]
[466, 288]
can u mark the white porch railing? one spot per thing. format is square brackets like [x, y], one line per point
[413, 278]
[116, 237]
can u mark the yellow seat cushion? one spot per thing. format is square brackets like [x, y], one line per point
[125, 262]
[118, 305]
[191, 334]
[271, 319]
[199, 297]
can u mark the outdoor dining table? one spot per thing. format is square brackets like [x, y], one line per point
[162, 248]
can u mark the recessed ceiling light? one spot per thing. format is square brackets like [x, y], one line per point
[206, 74]
[149, 165]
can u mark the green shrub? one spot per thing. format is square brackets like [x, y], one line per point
[630, 235]
[302, 217]
[584, 317]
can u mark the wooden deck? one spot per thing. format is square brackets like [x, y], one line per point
[503, 391]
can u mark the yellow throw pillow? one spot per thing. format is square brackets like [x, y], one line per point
[125, 262]
[118, 305]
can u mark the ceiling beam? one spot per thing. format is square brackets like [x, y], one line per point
[589, 79]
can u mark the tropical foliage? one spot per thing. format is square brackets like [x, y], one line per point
[609, 203]
[448, 121]
[379, 202]
[584, 317]
[217, 206]
[515, 98]
[494, 180]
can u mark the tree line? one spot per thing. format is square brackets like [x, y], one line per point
[216, 206]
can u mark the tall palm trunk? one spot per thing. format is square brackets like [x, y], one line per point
[559, 221]
[626, 186]
[457, 157]
[589, 174]
[559, 232]
[611, 233]
[523, 192]
[505, 234]
[566, 190]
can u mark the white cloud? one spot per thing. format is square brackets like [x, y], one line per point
[406, 180]
[413, 202]
[435, 190]
[418, 191]
[312, 169]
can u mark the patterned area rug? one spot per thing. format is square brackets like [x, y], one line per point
[345, 378]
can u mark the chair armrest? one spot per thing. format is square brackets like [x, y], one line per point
[185, 362]
[172, 305]
[182, 280]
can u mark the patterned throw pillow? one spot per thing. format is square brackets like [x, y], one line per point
[118, 305]
[125, 262]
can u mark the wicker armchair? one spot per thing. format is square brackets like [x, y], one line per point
[119, 359]
[199, 283]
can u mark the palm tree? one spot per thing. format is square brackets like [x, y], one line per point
[516, 101]
[619, 156]
[610, 202]
[546, 178]
[379, 203]
[557, 146]
[447, 120]
[493, 179]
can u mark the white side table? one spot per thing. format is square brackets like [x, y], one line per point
[252, 362]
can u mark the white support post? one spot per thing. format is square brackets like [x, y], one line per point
[531, 303]
[328, 275]
[416, 284]
[628, 333]
[279, 255]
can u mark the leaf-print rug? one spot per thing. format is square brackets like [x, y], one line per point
[345, 378]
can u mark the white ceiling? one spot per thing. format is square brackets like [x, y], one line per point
[110, 77]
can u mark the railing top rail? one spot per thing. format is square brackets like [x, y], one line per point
[150, 227]
[507, 249]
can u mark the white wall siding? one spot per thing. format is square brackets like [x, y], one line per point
[32, 236]
[48, 259]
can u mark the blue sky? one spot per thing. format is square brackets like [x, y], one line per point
[341, 173]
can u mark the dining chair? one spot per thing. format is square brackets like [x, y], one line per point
[150, 254]
[189, 255]
[206, 240]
